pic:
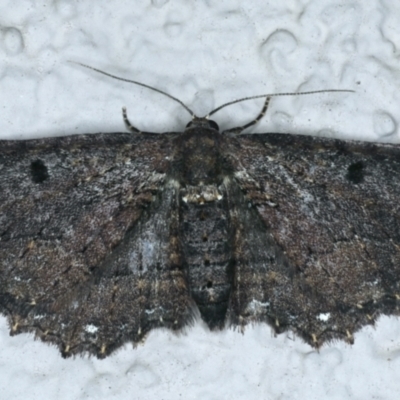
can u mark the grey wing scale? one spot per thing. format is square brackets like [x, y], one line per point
[317, 246]
[85, 256]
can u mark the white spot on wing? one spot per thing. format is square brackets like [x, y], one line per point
[155, 310]
[257, 307]
[324, 317]
[90, 328]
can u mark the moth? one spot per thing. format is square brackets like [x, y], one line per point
[104, 237]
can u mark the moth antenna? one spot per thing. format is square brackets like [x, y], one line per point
[274, 95]
[138, 83]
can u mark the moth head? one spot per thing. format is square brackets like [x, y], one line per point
[202, 123]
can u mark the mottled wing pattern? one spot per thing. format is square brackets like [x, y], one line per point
[317, 243]
[87, 259]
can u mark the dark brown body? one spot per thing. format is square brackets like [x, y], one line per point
[205, 228]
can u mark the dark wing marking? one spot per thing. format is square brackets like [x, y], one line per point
[318, 251]
[86, 252]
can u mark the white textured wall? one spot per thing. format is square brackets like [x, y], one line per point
[205, 53]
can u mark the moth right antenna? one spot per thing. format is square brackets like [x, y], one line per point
[272, 95]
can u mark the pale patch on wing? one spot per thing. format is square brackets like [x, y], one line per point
[90, 328]
[324, 317]
[256, 307]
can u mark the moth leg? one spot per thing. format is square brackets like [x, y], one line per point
[240, 129]
[128, 125]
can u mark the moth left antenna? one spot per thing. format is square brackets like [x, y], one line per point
[138, 83]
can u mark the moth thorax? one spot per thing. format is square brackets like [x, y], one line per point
[201, 162]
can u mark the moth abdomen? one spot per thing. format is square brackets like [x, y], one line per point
[205, 237]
